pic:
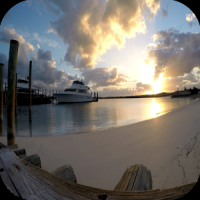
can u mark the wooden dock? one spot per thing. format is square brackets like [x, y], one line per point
[27, 181]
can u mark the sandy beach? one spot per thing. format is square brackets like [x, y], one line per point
[168, 145]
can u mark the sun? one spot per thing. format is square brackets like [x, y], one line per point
[157, 85]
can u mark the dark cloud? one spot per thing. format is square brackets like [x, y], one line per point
[44, 71]
[141, 88]
[189, 81]
[104, 77]
[174, 53]
[90, 27]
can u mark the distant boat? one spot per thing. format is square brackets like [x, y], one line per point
[77, 92]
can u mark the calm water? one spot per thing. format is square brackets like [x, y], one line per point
[58, 119]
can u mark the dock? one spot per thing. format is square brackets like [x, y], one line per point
[29, 181]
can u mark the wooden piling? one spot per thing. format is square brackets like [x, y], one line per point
[5, 95]
[16, 91]
[30, 92]
[12, 65]
[1, 97]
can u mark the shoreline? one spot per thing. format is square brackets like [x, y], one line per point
[168, 145]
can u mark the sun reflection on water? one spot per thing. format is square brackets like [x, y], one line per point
[155, 109]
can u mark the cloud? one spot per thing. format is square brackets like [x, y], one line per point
[174, 53]
[38, 46]
[164, 12]
[190, 17]
[44, 68]
[141, 88]
[189, 81]
[44, 40]
[25, 48]
[91, 27]
[103, 77]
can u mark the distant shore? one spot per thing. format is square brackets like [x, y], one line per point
[150, 96]
[168, 145]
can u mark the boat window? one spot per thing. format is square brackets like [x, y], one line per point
[82, 91]
[22, 81]
[71, 90]
[78, 82]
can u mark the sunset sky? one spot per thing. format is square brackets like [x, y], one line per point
[117, 47]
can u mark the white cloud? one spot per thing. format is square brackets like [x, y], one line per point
[91, 27]
[38, 46]
[190, 17]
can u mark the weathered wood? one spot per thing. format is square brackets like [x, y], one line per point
[20, 153]
[5, 178]
[118, 186]
[135, 178]
[1, 97]
[12, 65]
[30, 92]
[65, 172]
[31, 182]
[33, 159]
[132, 179]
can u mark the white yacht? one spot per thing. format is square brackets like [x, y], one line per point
[77, 92]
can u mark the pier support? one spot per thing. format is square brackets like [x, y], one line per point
[1, 97]
[30, 92]
[12, 65]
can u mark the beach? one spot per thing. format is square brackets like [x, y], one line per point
[168, 145]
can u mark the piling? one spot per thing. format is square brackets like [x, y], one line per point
[16, 92]
[30, 92]
[1, 97]
[5, 95]
[12, 65]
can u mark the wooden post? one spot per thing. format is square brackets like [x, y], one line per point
[12, 65]
[16, 92]
[1, 97]
[30, 92]
[5, 95]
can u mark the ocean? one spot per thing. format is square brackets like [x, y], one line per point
[78, 118]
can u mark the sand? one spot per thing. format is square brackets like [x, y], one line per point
[168, 145]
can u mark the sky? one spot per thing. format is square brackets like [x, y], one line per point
[117, 47]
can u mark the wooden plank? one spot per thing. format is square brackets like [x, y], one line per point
[26, 184]
[143, 179]
[133, 177]
[138, 178]
[6, 180]
[128, 177]
[121, 180]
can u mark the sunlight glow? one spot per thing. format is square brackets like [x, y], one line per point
[149, 92]
[157, 85]
[147, 73]
[155, 109]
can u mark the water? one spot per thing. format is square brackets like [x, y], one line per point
[59, 119]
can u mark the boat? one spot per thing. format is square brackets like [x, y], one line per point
[77, 92]
[23, 93]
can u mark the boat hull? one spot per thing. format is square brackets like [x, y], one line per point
[72, 98]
